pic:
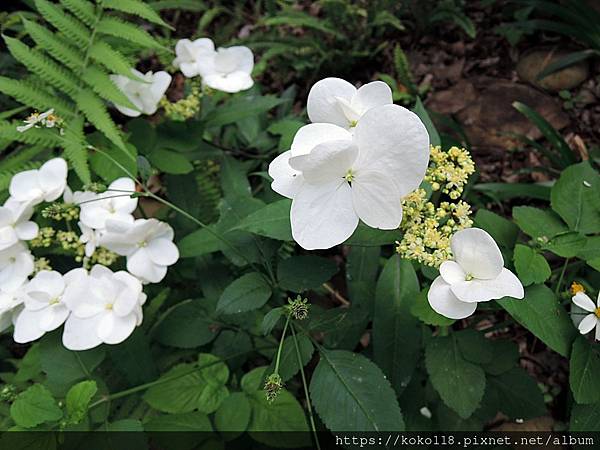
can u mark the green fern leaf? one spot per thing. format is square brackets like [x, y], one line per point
[118, 28]
[209, 195]
[18, 158]
[57, 47]
[68, 25]
[94, 109]
[33, 96]
[81, 9]
[138, 8]
[113, 60]
[102, 85]
[75, 148]
[41, 136]
[43, 66]
[6, 175]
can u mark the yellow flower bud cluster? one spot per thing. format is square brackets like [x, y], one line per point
[449, 171]
[185, 108]
[41, 264]
[427, 227]
[101, 256]
[69, 241]
[61, 211]
[44, 239]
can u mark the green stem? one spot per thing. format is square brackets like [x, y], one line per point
[287, 322]
[311, 417]
[562, 275]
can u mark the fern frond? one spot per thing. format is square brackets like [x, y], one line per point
[57, 47]
[81, 9]
[102, 85]
[33, 96]
[95, 111]
[68, 25]
[118, 28]
[41, 136]
[113, 60]
[75, 148]
[43, 66]
[209, 195]
[19, 158]
[6, 175]
[137, 8]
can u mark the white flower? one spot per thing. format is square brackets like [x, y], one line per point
[106, 307]
[16, 264]
[44, 184]
[590, 321]
[477, 274]
[333, 100]
[114, 204]
[148, 245]
[45, 307]
[144, 95]
[10, 307]
[189, 53]
[77, 197]
[15, 225]
[90, 238]
[224, 69]
[34, 119]
[336, 178]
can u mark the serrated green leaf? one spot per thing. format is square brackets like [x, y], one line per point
[101, 84]
[187, 325]
[82, 9]
[233, 416]
[35, 406]
[111, 59]
[584, 368]
[304, 272]
[532, 268]
[518, 394]
[32, 95]
[57, 47]
[76, 150]
[113, 26]
[538, 223]
[68, 25]
[78, 400]
[95, 111]
[272, 221]
[250, 291]
[137, 8]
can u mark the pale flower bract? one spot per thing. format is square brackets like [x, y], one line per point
[113, 204]
[15, 225]
[592, 319]
[38, 185]
[16, 264]
[477, 274]
[146, 94]
[189, 54]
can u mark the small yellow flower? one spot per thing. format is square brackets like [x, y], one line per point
[576, 288]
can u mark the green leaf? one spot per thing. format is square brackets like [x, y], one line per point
[538, 223]
[76, 150]
[585, 418]
[233, 416]
[434, 136]
[97, 79]
[170, 162]
[133, 357]
[362, 265]
[505, 356]
[517, 394]
[350, 393]
[271, 319]
[584, 368]
[111, 59]
[186, 325]
[82, 9]
[576, 198]
[240, 108]
[396, 332]
[372, 237]
[180, 425]
[199, 242]
[113, 26]
[136, 7]
[461, 384]
[541, 313]
[187, 387]
[503, 231]
[283, 415]
[474, 346]
[532, 268]
[288, 364]
[272, 221]
[302, 273]
[234, 181]
[31, 94]
[78, 400]
[250, 291]
[35, 406]
[68, 25]
[57, 47]
[95, 111]
[566, 245]
[505, 191]
[422, 310]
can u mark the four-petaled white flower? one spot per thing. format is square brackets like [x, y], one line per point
[16, 264]
[15, 225]
[45, 306]
[148, 245]
[46, 118]
[590, 321]
[335, 178]
[113, 204]
[106, 307]
[477, 274]
[90, 238]
[333, 100]
[146, 94]
[189, 54]
[44, 184]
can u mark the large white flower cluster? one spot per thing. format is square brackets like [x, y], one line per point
[95, 306]
[357, 160]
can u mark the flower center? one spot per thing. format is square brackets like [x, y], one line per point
[142, 244]
[469, 277]
[109, 306]
[597, 312]
[353, 123]
[12, 260]
[54, 301]
[349, 176]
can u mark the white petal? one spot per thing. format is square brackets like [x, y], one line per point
[444, 302]
[128, 111]
[322, 105]
[27, 230]
[94, 215]
[6, 216]
[504, 285]
[163, 252]
[231, 83]
[327, 162]
[322, 216]
[376, 93]
[53, 317]
[286, 181]
[8, 237]
[159, 86]
[477, 253]
[452, 273]
[313, 134]
[583, 301]
[53, 178]
[188, 69]
[140, 265]
[26, 326]
[25, 186]
[80, 334]
[588, 323]
[50, 282]
[113, 329]
[393, 140]
[124, 205]
[377, 200]
[243, 57]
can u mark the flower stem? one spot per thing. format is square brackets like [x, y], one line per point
[287, 322]
[305, 386]
[562, 275]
